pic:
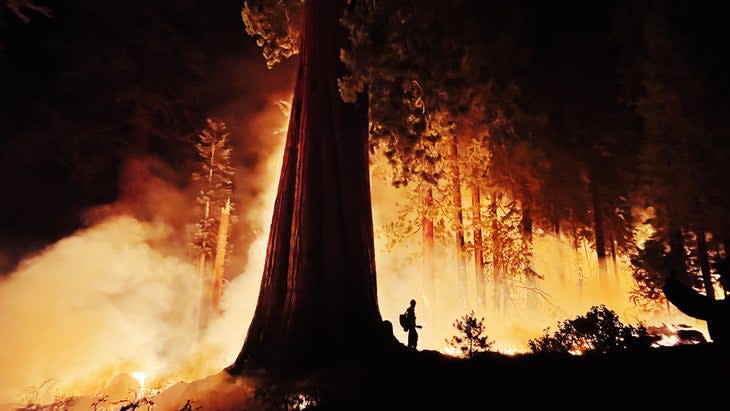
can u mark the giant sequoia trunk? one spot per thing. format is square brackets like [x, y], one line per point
[317, 304]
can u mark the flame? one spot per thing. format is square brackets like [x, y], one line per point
[576, 351]
[141, 377]
[451, 352]
[571, 285]
[510, 351]
[670, 335]
[135, 307]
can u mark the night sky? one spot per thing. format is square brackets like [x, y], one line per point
[102, 81]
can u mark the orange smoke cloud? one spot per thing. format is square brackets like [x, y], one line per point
[99, 302]
[121, 296]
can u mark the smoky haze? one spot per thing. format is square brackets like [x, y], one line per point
[120, 295]
[571, 284]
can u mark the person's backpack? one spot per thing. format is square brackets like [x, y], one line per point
[403, 318]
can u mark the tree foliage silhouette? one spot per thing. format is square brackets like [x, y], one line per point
[472, 335]
[599, 330]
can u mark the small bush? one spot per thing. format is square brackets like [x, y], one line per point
[599, 330]
[470, 338]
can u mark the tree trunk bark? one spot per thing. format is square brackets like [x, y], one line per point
[317, 303]
[459, 223]
[705, 264]
[476, 204]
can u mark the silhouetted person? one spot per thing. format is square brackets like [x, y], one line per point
[715, 312]
[411, 318]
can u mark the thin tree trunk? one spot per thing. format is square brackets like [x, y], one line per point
[555, 223]
[598, 228]
[526, 225]
[496, 258]
[202, 263]
[705, 264]
[561, 266]
[428, 244]
[526, 233]
[220, 256]
[459, 223]
[676, 249]
[578, 265]
[318, 302]
[612, 243]
[723, 260]
[669, 307]
[476, 204]
[204, 302]
[718, 266]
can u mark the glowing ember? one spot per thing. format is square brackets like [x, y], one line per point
[668, 335]
[509, 351]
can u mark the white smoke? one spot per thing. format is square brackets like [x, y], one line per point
[94, 304]
[121, 296]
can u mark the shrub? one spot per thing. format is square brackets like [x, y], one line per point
[599, 330]
[470, 338]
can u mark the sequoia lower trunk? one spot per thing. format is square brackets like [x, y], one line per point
[318, 301]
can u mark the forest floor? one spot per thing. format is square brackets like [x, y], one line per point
[695, 375]
[686, 376]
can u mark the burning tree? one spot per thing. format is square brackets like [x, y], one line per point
[318, 300]
[649, 264]
[214, 185]
[688, 209]
[395, 79]
[317, 303]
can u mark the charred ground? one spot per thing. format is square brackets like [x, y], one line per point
[427, 380]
